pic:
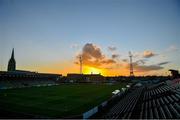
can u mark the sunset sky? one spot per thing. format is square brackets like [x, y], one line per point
[49, 35]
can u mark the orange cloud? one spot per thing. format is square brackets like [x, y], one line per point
[93, 56]
[148, 54]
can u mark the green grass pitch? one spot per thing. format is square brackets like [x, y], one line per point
[56, 101]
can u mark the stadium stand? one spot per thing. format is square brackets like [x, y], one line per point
[158, 101]
[9, 84]
[20, 79]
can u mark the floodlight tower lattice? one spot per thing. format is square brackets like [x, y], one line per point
[131, 65]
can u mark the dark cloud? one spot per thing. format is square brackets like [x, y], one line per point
[91, 50]
[108, 61]
[112, 48]
[148, 54]
[163, 63]
[125, 60]
[93, 56]
[109, 68]
[141, 61]
[139, 66]
[146, 68]
[76, 62]
[114, 56]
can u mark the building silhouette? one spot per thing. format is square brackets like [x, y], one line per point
[174, 73]
[13, 78]
[12, 62]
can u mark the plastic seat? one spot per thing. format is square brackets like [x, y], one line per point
[163, 116]
[174, 97]
[177, 115]
[156, 113]
[168, 113]
[157, 101]
[170, 99]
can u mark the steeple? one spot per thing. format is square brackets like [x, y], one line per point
[12, 62]
[12, 55]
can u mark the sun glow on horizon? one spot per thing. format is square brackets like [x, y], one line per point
[93, 70]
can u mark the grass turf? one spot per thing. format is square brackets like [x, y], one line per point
[56, 101]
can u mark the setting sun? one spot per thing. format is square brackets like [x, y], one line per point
[89, 70]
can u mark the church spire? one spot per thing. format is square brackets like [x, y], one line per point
[12, 55]
[12, 62]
